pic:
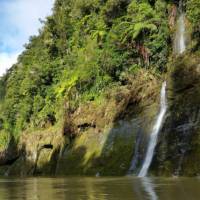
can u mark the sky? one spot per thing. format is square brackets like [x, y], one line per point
[19, 19]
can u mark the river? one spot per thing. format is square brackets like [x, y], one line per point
[82, 188]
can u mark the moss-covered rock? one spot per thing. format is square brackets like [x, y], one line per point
[104, 135]
[107, 132]
[39, 153]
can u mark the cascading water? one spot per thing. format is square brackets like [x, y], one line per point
[179, 42]
[155, 132]
[180, 35]
[179, 48]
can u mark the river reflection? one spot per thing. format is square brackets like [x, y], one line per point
[149, 188]
[79, 188]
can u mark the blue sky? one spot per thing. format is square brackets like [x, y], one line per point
[19, 19]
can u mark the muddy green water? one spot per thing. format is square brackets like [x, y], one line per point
[80, 188]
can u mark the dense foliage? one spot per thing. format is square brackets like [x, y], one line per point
[193, 13]
[85, 47]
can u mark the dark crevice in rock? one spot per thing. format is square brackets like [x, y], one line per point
[11, 161]
[85, 126]
[187, 87]
[47, 146]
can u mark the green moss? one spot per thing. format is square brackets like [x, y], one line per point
[96, 152]
[4, 140]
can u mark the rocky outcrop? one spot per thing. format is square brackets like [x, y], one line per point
[108, 137]
[104, 135]
[178, 151]
[39, 153]
[107, 133]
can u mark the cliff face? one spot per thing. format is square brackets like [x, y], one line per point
[88, 92]
[110, 135]
[105, 135]
[177, 152]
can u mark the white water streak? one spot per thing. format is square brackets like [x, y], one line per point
[180, 37]
[149, 188]
[154, 135]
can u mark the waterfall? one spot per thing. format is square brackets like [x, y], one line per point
[180, 35]
[180, 41]
[154, 134]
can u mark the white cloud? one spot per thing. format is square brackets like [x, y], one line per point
[24, 15]
[19, 20]
[6, 61]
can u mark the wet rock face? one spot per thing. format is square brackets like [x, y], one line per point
[178, 151]
[107, 133]
[105, 136]
[105, 153]
[39, 153]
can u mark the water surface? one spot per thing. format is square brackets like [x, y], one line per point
[79, 188]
